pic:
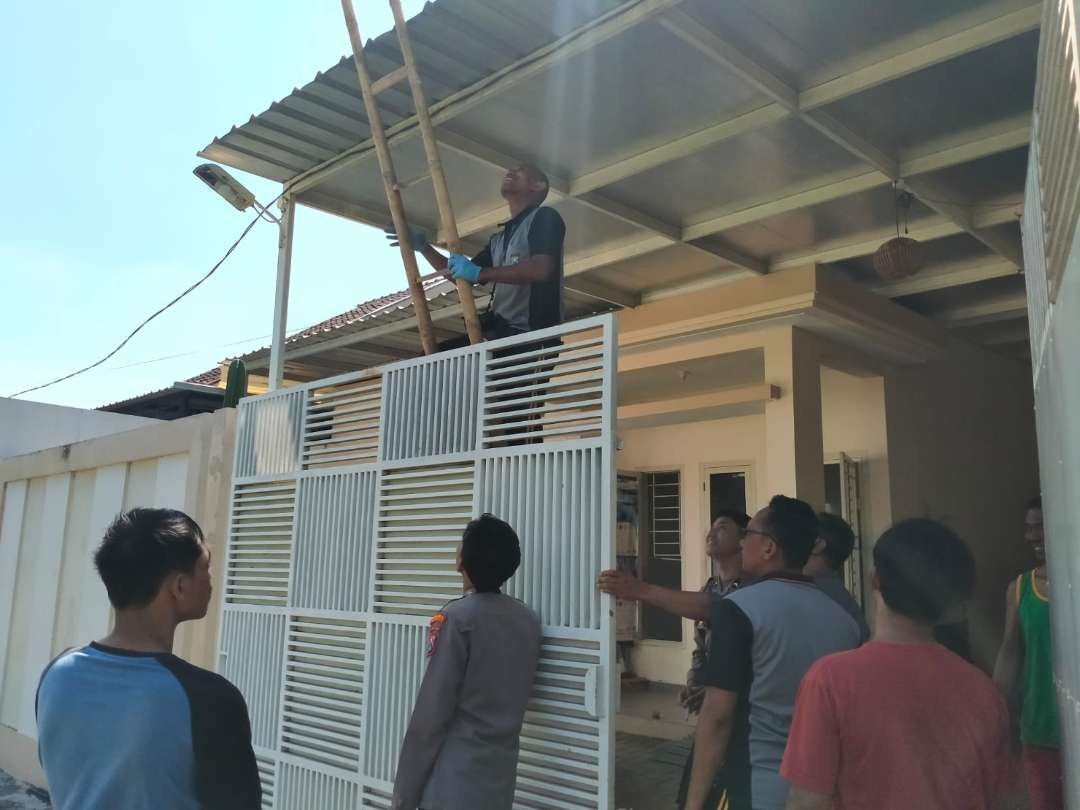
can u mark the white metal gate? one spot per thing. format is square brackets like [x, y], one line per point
[349, 498]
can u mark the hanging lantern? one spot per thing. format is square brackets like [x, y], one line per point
[901, 256]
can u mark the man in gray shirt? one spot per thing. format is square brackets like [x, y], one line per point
[835, 543]
[523, 261]
[460, 751]
[765, 636]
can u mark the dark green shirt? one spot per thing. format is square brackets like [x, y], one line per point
[1038, 715]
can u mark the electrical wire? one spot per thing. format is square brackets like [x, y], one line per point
[139, 328]
[288, 333]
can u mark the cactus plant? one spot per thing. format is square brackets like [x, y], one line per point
[236, 383]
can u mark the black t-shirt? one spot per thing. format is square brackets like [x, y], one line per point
[546, 234]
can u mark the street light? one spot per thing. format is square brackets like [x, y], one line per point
[233, 191]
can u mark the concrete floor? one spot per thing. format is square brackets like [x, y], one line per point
[651, 745]
[18, 796]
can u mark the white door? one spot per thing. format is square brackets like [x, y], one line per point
[851, 511]
[349, 498]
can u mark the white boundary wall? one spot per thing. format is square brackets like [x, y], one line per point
[349, 498]
[54, 507]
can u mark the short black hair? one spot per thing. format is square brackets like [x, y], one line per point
[923, 569]
[1034, 503]
[794, 527]
[490, 552]
[143, 546]
[741, 519]
[839, 539]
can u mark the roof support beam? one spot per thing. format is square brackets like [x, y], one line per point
[948, 39]
[729, 55]
[561, 189]
[998, 309]
[866, 242]
[953, 274]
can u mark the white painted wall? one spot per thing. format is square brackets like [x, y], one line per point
[54, 507]
[26, 427]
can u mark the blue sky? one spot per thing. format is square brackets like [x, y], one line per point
[101, 223]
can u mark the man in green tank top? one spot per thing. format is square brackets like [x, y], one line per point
[1025, 671]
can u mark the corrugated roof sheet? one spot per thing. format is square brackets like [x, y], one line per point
[456, 43]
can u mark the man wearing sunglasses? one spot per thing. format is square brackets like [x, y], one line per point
[765, 637]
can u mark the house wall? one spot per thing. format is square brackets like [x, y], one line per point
[55, 506]
[962, 450]
[29, 426]
[690, 448]
[853, 423]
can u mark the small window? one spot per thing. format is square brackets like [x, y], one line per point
[665, 520]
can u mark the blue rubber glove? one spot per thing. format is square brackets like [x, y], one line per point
[460, 267]
[417, 238]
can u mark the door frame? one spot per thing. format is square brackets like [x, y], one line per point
[707, 470]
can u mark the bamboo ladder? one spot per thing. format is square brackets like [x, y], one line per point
[370, 90]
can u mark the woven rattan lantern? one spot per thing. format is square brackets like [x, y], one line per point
[901, 256]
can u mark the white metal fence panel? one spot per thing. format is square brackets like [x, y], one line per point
[349, 498]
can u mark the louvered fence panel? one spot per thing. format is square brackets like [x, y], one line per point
[260, 544]
[341, 426]
[268, 434]
[431, 407]
[563, 744]
[334, 531]
[551, 498]
[268, 779]
[422, 511]
[349, 500]
[250, 657]
[308, 789]
[324, 690]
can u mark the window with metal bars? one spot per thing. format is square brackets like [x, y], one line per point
[661, 549]
[665, 519]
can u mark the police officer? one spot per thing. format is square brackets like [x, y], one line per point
[523, 261]
[461, 748]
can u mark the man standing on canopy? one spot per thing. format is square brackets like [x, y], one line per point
[523, 261]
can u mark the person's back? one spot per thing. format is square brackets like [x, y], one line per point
[124, 729]
[915, 726]
[793, 624]
[902, 722]
[461, 748]
[122, 723]
[500, 639]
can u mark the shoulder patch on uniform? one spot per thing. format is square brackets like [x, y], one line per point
[434, 628]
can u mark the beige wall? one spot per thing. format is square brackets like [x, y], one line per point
[853, 423]
[55, 506]
[690, 448]
[962, 450]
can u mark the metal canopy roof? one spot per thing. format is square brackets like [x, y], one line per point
[690, 143]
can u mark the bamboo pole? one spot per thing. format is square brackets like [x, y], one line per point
[435, 169]
[389, 178]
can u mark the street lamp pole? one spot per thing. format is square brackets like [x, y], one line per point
[281, 291]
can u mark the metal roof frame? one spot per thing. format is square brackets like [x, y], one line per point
[311, 149]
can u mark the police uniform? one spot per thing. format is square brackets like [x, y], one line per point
[461, 748]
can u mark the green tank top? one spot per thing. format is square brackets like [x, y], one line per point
[1038, 716]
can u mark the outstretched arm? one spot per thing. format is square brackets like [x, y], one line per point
[688, 604]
